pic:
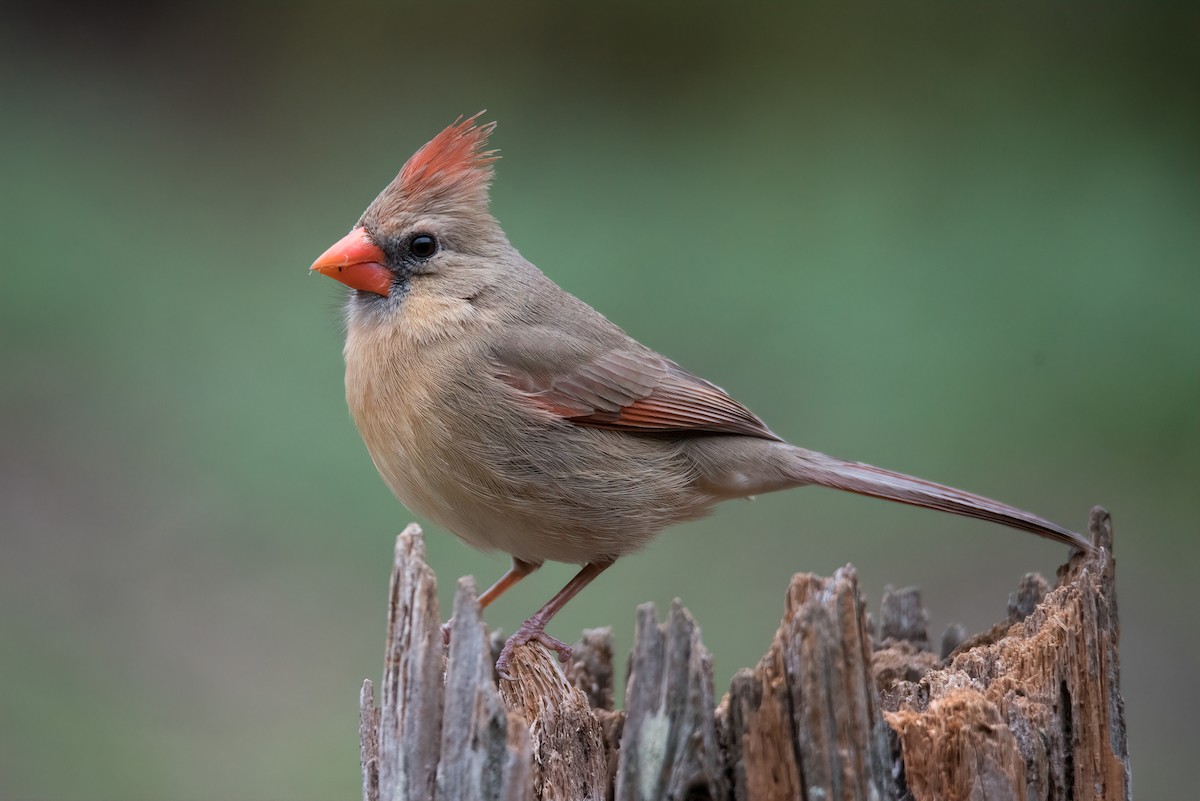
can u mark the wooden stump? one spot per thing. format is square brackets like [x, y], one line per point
[1028, 710]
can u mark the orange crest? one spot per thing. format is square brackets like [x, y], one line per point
[453, 162]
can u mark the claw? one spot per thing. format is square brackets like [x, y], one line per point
[530, 631]
[446, 631]
[533, 630]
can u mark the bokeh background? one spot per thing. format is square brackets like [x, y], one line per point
[960, 240]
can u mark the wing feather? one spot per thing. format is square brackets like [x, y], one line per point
[637, 391]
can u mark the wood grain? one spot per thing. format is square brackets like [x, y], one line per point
[1030, 709]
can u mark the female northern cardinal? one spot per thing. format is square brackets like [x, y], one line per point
[516, 416]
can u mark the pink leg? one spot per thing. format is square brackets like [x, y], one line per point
[534, 629]
[519, 570]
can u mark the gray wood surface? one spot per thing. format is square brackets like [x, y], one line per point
[1030, 709]
[669, 747]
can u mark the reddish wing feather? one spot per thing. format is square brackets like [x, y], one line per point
[643, 392]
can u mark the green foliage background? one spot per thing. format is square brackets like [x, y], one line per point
[960, 240]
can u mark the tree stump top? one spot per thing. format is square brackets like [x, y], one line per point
[1030, 709]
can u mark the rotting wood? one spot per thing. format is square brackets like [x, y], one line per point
[1048, 690]
[567, 742]
[591, 671]
[1028, 710]
[806, 719]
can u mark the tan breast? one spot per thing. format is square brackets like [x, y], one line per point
[393, 389]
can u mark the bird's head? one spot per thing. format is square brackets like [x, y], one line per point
[429, 230]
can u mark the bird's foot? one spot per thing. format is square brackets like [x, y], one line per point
[530, 631]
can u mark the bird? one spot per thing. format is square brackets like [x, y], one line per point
[514, 415]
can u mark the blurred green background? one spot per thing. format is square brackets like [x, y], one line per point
[960, 240]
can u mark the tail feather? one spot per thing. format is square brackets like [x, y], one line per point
[865, 479]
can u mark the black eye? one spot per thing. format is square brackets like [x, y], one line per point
[422, 246]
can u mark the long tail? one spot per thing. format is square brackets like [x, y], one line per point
[865, 479]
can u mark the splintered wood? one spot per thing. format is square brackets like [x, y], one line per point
[1028, 710]
[1036, 714]
[441, 730]
[806, 718]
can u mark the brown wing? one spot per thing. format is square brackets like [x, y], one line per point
[637, 391]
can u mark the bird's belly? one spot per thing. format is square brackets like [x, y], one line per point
[547, 519]
[560, 512]
[539, 490]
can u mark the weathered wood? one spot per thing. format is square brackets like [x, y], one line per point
[453, 740]
[410, 718]
[805, 721]
[1030, 592]
[368, 739]
[485, 750]
[841, 742]
[591, 671]
[1036, 714]
[954, 636]
[755, 723]
[669, 747]
[902, 616]
[592, 667]
[569, 759]
[1028, 710]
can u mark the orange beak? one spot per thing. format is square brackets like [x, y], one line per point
[357, 262]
